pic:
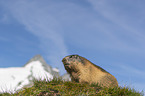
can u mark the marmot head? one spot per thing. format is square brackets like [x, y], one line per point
[73, 63]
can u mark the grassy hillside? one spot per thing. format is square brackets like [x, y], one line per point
[57, 87]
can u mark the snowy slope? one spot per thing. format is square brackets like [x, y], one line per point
[12, 79]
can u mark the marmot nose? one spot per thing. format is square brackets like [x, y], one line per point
[63, 60]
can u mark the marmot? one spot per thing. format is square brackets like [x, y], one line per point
[83, 71]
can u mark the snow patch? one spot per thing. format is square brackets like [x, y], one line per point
[55, 69]
[13, 79]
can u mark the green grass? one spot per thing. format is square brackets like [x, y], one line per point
[58, 87]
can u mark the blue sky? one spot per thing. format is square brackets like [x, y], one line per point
[110, 33]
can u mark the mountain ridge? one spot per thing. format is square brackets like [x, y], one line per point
[15, 78]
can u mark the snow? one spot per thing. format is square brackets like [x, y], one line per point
[55, 69]
[13, 79]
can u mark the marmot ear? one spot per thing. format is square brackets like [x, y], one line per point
[82, 61]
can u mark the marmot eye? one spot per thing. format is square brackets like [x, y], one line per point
[71, 56]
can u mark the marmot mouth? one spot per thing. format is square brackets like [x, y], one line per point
[66, 64]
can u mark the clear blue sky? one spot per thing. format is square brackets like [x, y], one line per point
[109, 33]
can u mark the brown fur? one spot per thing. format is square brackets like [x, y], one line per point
[83, 71]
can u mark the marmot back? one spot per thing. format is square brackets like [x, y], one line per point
[83, 71]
